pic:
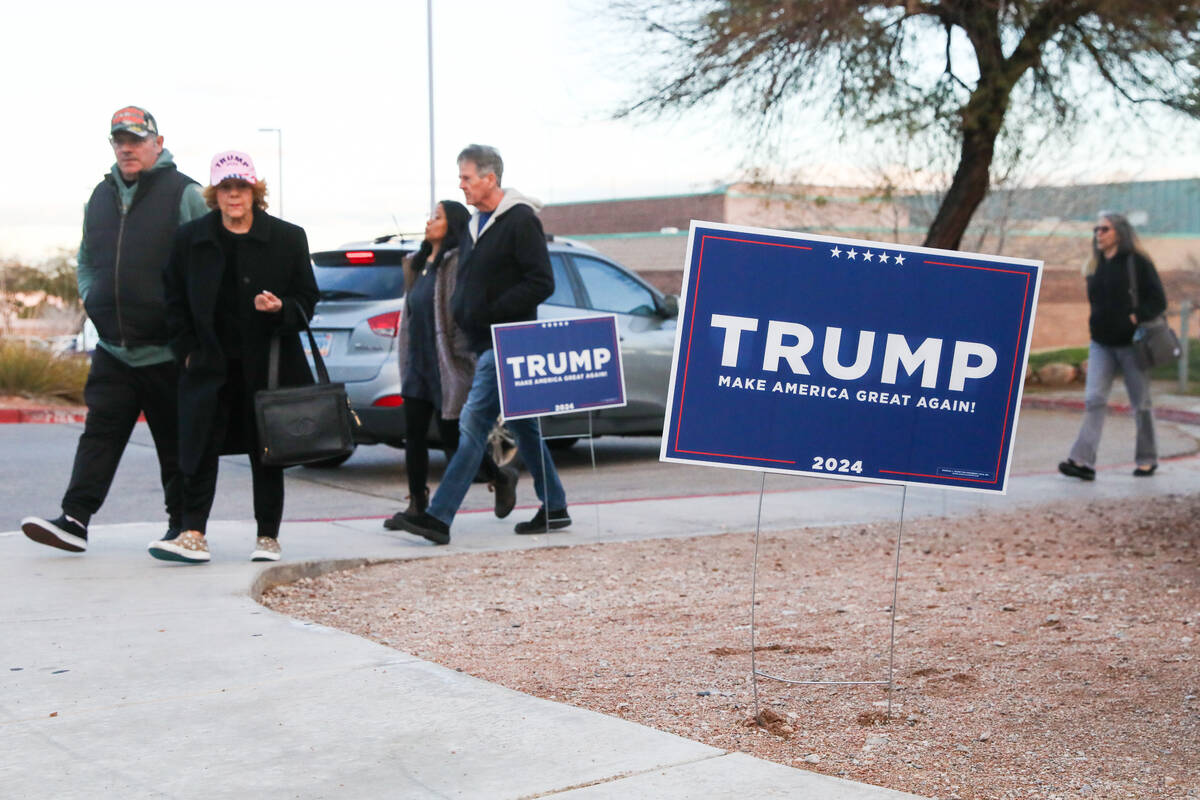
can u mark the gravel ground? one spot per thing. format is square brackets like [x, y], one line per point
[1049, 653]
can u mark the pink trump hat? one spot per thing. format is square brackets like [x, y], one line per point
[231, 165]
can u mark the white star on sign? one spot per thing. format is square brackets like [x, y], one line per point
[883, 258]
[868, 255]
[899, 259]
[835, 252]
[853, 254]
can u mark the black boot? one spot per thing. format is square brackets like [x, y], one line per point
[417, 503]
[416, 507]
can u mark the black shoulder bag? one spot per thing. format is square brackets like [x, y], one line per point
[1154, 342]
[302, 424]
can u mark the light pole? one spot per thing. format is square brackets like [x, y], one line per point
[429, 40]
[279, 155]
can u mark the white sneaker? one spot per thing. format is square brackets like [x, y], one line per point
[190, 547]
[265, 549]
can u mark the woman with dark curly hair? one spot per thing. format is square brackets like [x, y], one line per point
[1117, 257]
[436, 360]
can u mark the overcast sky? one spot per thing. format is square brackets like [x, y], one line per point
[346, 82]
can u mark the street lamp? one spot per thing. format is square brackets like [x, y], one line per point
[429, 51]
[279, 155]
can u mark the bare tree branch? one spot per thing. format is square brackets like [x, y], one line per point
[868, 63]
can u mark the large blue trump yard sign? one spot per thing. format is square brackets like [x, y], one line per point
[557, 366]
[849, 359]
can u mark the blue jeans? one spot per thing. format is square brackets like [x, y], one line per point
[1103, 363]
[475, 422]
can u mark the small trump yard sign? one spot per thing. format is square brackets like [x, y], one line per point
[558, 366]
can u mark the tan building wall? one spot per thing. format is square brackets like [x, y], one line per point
[791, 207]
[812, 208]
[1066, 253]
[630, 231]
[633, 215]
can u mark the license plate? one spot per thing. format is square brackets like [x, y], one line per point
[323, 341]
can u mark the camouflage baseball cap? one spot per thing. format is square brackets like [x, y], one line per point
[137, 121]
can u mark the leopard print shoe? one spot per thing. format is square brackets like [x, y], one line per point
[190, 547]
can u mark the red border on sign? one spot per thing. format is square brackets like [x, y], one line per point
[687, 359]
[542, 323]
[1011, 380]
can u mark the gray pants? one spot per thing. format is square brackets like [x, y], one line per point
[1103, 363]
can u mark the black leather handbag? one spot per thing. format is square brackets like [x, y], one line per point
[303, 424]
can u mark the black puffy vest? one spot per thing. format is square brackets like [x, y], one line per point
[128, 253]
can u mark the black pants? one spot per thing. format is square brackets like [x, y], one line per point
[116, 394]
[234, 413]
[418, 413]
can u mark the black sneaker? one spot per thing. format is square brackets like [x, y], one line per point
[505, 487]
[1074, 470]
[392, 523]
[63, 533]
[424, 525]
[539, 523]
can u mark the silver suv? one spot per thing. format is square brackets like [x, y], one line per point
[358, 317]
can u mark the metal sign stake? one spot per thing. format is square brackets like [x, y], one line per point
[592, 450]
[545, 479]
[755, 672]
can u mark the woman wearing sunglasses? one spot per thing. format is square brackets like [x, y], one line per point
[1113, 319]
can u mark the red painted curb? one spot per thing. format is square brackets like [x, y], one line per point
[40, 415]
[1072, 404]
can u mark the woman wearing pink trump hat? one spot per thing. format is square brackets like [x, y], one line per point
[236, 277]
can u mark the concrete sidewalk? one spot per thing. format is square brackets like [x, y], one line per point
[127, 677]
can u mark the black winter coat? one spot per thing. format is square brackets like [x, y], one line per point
[1111, 301]
[274, 257]
[503, 277]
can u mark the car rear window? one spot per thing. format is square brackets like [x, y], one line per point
[340, 278]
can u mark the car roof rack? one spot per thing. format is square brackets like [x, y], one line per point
[395, 237]
[553, 239]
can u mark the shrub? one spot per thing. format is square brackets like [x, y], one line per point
[1075, 356]
[33, 371]
[1067, 355]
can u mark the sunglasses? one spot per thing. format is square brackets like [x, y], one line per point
[1102, 229]
[121, 139]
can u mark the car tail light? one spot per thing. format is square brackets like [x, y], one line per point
[385, 324]
[360, 256]
[389, 401]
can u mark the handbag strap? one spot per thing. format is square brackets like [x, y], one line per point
[273, 359]
[1133, 292]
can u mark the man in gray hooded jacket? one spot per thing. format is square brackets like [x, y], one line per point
[128, 226]
[502, 278]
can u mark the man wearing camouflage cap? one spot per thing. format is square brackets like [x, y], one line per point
[128, 226]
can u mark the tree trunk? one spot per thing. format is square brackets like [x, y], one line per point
[967, 190]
